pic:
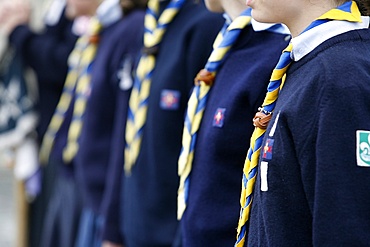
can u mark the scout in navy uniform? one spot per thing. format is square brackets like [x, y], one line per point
[112, 78]
[312, 182]
[150, 184]
[60, 143]
[240, 77]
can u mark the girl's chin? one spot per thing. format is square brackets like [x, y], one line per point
[249, 3]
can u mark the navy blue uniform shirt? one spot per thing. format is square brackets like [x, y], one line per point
[212, 211]
[315, 193]
[120, 45]
[149, 193]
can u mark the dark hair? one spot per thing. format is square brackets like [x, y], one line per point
[128, 5]
[364, 6]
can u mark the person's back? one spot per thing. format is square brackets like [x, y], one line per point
[150, 190]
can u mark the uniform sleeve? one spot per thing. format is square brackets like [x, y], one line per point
[340, 205]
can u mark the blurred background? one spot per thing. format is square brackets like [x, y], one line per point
[13, 209]
[8, 210]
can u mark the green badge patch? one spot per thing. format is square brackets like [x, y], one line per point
[363, 148]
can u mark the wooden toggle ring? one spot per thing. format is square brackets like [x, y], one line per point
[261, 120]
[204, 75]
[94, 39]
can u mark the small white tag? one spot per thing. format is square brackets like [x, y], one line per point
[273, 128]
[263, 174]
[125, 75]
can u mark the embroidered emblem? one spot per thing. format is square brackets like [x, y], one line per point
[218, 118]
[170, 99]
[267, 149]
[363, 148]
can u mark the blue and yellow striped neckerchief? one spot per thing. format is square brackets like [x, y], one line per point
[77, 86]
[348, 11]
[74, 92]
[155, 28]
[225, 40]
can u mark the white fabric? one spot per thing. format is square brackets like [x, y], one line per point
[14, 137]
[26, 159]
[309, 40]
[54, 12]
[109, 11]
[259, 26]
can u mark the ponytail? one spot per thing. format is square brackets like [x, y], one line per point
[364, 6]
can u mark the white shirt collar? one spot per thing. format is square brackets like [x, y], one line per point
[259, 26]
[109, 11]
[309, 40]
[273, 27]
[227, 18]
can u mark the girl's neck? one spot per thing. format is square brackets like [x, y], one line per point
[234, 8]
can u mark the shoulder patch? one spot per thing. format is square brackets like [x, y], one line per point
[363, 148]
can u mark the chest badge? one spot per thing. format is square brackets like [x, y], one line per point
[170, 99]
[267, 149]
[218, 118]
[363, 148]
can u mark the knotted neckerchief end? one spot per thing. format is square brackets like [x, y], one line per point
[207, 77]
[262, 118]
[150, 51]
[94, 31]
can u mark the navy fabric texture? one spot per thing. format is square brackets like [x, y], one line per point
[317, 194]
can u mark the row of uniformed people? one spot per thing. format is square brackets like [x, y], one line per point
[120, 141]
